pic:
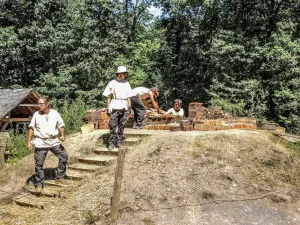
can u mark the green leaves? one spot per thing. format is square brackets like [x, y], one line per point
[241, 55]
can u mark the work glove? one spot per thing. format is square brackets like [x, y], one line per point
[108, 111]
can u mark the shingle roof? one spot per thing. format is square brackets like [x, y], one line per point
[10, 98]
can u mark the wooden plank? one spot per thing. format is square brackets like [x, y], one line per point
[30, 203]
[29, 105]
[2, 162]
[36, 95]
[117, 185]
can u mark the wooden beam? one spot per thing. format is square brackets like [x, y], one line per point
[3, 127]
[117, 185]
[2, 162]
[36, 95]
[17, 119]
[29, 105]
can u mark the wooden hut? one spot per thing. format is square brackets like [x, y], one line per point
[17, 106]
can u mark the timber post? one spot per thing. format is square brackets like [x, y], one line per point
[2, 162]
[117, 185]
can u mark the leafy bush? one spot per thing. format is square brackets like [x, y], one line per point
[17, 143]
[72, 113]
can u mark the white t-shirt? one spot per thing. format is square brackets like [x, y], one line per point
[121, 91]
[173, 112]
[142, 92]
[45, 128]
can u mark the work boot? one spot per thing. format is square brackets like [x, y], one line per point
[38, 190]
[62, 177]
[119, 145]
[111, 146]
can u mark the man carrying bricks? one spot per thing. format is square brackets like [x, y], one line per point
[45, 126]
[139, 104]
[118, 93]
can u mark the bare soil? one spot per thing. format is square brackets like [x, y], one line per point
[220, 177]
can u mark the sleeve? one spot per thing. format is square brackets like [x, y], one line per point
[169, 111]
[32, 123]
[108, 90]
[60, 122]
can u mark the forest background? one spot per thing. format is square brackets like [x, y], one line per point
[242, 55]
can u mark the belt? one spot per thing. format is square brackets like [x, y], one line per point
[120, 99]
[50, 138]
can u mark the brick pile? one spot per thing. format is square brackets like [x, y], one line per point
[98, 118]
[233, 123]
[198, 111]
[157, 127]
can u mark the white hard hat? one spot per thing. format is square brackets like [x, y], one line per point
[122, 69]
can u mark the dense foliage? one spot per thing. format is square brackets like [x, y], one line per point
[242, 55]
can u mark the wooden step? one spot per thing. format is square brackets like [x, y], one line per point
[97, 160]
[105, 151]
[84, 167]
[131, 141]
[31, 201]
[47, 192]
[140, 135]
[56, 184]
[76, 175]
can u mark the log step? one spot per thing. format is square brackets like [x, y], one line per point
[84, 167]
[56, 184]
[31, 201]
[76, 175]
[97, 160]
[105, 151]
[131, 141]
[54, 193]
[140, 135]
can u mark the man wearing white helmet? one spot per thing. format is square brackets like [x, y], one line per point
[118, 93]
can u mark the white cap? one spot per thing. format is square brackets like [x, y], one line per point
[121, 69]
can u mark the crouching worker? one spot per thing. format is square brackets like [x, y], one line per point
[118, 93]
[45, 126]
[176, 110]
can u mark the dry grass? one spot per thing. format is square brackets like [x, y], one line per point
[171, 169]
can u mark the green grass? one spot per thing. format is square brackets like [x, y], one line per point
[17, 144]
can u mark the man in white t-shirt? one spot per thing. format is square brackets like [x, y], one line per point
[45, 126]
[139, 103]
[118, 93]
[177, 110]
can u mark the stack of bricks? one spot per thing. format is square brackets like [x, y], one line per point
[103, 120]
[198, 111]
[233, 123]
[186, 125]
[98, 118]
[175, 127]
[215, 112]
[158, 127]
[92, 116]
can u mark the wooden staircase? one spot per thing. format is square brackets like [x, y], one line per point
[77, 174]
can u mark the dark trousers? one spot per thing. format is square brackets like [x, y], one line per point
[40, 156]
[117, 122]
[139, 110]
